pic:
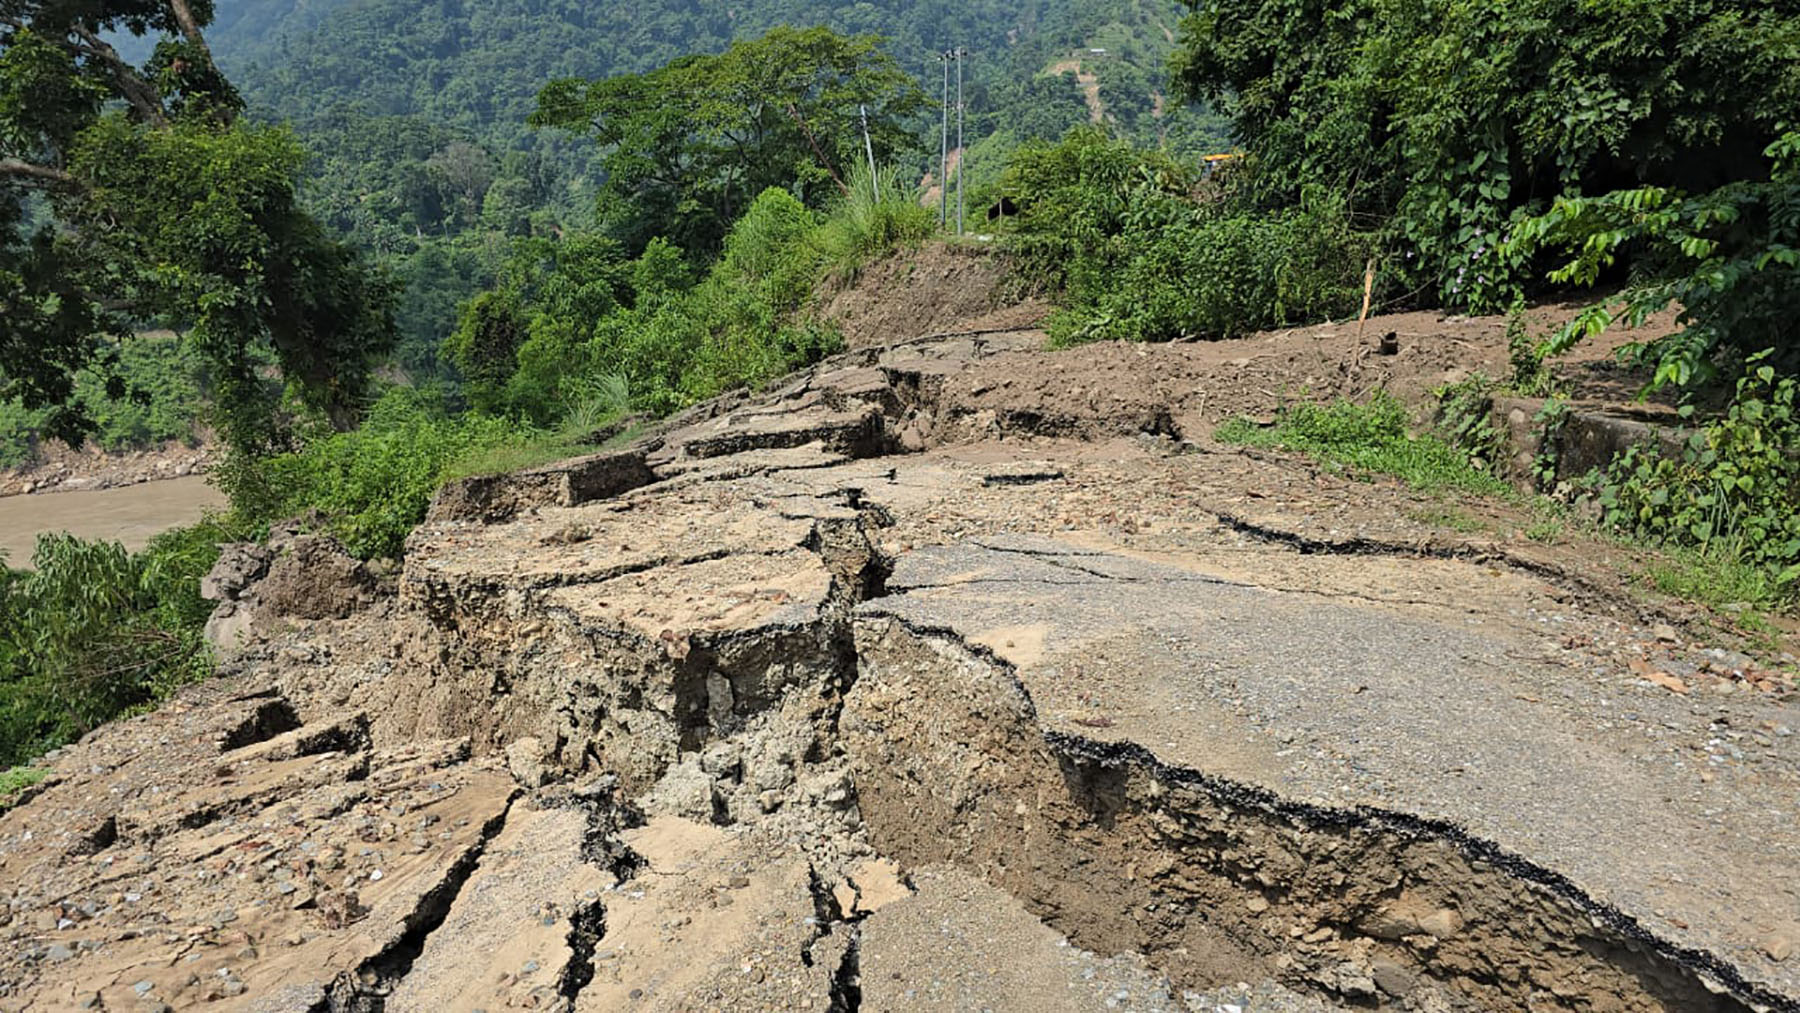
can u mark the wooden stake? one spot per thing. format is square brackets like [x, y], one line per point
[1368, 292]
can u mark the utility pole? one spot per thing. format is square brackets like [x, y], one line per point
[962, 157]
[944, 147]
[869, 146]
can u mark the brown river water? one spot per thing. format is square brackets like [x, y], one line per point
[129, 514]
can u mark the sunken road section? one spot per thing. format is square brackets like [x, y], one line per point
[891, 689]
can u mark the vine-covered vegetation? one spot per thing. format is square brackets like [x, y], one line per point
[1651, 137]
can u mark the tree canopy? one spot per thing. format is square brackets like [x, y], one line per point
[689, 145]
[1451, 123]
[133, 193]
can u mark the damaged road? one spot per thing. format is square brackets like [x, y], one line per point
[891, 689]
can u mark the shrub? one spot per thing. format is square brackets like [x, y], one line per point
[1450, 122]
[1730, 494]
[92, 632]
[372, 484]
[1141, 251]
[1728, 260]
[738, 327]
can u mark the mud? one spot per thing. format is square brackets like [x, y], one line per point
[946, 675]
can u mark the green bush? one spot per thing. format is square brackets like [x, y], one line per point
[1449, 122]
[1727, 260]
[739, 326]
[92, 632]
[1140, 250]
[372, 484]
[1730, 494]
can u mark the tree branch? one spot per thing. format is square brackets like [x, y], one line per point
[145, 99]
[184, 16]
[190, 29]
[27, 170]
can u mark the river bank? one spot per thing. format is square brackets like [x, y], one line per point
[60, 468]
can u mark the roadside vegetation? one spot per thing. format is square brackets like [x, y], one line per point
[1368, 439]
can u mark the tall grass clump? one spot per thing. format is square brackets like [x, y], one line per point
[879, 215]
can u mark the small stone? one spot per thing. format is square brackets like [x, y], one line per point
[143, 987]
[1665, 633]
[1778, 947]
[525, 761]
[1442, 923]
[1392, 978]
[373, 876]
[1257, 905]
[58, 953]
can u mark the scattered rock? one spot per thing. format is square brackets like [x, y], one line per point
[240, 565]
[525, 759]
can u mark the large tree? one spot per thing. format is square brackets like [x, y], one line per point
[690, 145]
[135, 193]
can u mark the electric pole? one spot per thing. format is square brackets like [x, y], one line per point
[869, 146]
[944, 147]
[962, 157]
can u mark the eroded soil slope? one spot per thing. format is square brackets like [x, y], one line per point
[952, 675]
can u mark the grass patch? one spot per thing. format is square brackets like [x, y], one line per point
[510, 457]
[15, 780]
[1364, 440]
[1547, 530]
[1717, 578]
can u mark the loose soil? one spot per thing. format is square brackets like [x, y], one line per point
[938, 288]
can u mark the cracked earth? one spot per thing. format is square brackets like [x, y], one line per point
[908, 686]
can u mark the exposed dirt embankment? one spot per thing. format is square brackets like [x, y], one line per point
[60, 468]
[949, 675]
[937, 289]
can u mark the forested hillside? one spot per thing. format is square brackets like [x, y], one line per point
[415, 114]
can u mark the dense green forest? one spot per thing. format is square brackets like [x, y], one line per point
[416, 115]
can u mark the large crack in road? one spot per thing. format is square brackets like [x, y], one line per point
[729, 729]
